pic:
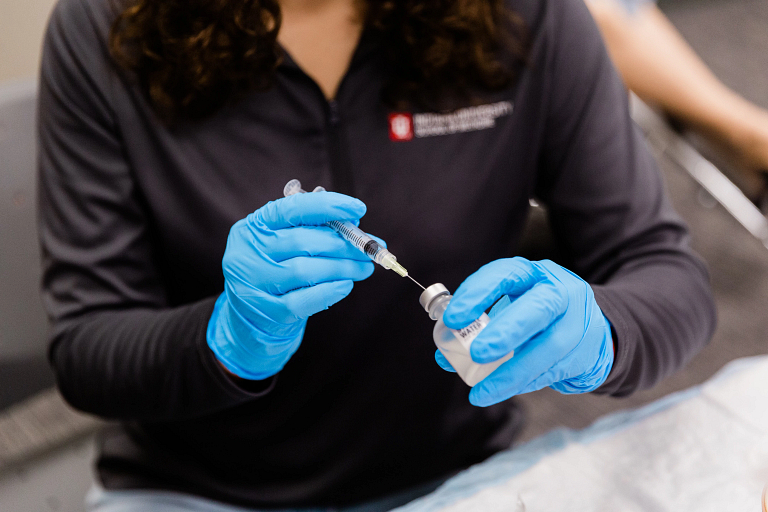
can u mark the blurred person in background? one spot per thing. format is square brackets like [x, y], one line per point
[659, 66]
[243, 367]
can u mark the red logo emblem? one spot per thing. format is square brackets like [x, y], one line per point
[400, 126]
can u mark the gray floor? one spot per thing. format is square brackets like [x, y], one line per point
[731, 36]
[46, 451]
[56, 482]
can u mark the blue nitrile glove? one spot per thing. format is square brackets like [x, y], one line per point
[550, 319]
[281, 266]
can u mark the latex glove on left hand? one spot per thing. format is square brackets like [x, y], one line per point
[559, 334]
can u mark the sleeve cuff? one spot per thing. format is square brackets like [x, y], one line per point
[623, 340]
[238, 389]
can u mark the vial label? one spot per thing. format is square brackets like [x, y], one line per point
[470, 332]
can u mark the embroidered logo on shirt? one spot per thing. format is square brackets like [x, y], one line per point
[405, 126]
[400, 126]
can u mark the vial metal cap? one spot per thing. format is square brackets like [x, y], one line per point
[432, 292]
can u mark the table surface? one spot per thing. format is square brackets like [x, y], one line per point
[702, 449]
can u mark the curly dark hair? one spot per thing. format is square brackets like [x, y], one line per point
[191, 57]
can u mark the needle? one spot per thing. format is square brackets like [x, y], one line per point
[415, 281]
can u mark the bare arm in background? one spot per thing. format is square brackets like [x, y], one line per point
[660, 67]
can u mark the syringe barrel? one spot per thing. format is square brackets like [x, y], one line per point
[345, 229]
[354, 235]
[368, 245]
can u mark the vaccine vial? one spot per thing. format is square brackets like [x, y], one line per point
[454, 344]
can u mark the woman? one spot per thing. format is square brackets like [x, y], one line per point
[166, 124]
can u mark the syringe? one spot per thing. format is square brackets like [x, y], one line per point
[356, 236]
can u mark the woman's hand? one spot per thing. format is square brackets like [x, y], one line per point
[282, 265]
[549, 318]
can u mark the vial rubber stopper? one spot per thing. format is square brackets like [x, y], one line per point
[431, 293]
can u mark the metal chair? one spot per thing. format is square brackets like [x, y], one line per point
[23, 324]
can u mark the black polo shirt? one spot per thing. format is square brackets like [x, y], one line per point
[134, 219]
